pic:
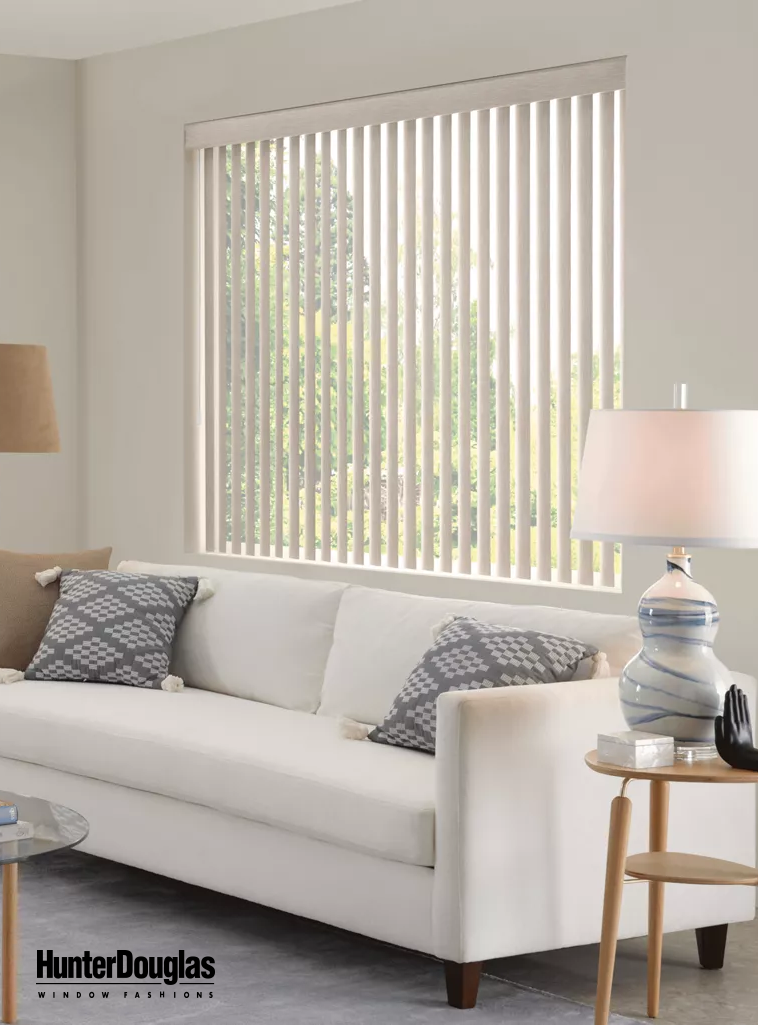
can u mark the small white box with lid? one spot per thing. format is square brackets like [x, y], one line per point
[633, 749]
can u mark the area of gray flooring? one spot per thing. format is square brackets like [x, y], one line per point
[689, 995]
[272, 968]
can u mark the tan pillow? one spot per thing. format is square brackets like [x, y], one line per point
[25, 606]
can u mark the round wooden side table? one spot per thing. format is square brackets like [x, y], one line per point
[659, 866]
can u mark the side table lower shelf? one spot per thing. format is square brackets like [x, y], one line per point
[671, 867]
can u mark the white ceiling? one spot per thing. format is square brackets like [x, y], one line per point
[83, 28]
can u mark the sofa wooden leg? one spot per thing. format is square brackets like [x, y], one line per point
[462, 982]
[711, 944]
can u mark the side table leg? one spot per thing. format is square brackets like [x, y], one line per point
[618, 839]
[659, 817]
[10, 941]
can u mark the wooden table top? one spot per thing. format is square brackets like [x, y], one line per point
[712, 771]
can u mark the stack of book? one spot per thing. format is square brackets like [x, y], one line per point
[11, 827]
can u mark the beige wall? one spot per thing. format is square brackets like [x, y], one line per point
[39, 494]
[692, 223]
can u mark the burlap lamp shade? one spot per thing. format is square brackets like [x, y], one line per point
[27, 409]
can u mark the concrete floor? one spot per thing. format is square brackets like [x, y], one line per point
[689, 995]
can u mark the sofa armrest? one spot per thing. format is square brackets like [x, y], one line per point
[522, 823]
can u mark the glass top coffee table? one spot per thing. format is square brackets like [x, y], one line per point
[55, 827]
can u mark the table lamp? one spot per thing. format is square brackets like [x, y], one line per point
[683, 478]
[27, 409]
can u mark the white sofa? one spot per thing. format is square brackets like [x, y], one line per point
[244, 783]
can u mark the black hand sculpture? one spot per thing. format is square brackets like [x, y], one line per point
[734, 732]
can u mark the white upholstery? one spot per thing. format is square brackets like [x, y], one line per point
[272, 765]
[522, 824]
[381, 635]
[261, 636]
[387, 900]
[222, 788]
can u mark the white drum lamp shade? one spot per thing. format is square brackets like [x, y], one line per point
[27, 409]
[684, 478]
[673, 476]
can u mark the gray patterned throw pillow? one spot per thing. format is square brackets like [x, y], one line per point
[109, 627]
[469, 655]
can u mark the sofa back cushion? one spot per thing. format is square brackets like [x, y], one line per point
[381, 635]
[261, 636]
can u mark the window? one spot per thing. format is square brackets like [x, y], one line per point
[407, 306]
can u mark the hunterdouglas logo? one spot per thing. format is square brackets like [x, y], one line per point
[124, 968]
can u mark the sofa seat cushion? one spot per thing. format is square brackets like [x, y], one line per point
[285, 768]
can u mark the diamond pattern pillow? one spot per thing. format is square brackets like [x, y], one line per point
[469, 655]
[109, 627]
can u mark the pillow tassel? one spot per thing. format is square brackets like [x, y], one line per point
[600, 668]
[443, 624]
[11, 676]
[205, 590]
[46, 576]
[173, 684]
[352, 730]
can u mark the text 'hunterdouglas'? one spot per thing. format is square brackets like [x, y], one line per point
[124, 965]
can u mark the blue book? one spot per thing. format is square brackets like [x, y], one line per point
[8, 814]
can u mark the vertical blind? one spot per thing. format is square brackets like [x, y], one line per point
[406, 320]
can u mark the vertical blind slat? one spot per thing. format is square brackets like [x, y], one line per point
[427, 343]
[250, 370]
[464, 343]
[279, 356]
[375, 329]
[294, 347]
[359, 537]
[583, 290]
[618, 263]
[326, 347]
[264, 371]
[483, 346]
[235, 236]
[222, 362]
[409, 345]
[309, 383]
[542, 319]
[606, 132]
[446, 369]
[503, 359]
[523, 339]
[562, 277]
[210, 234]
[342, 315]
[392, 350]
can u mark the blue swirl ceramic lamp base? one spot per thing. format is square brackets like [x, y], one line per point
[675, 685]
